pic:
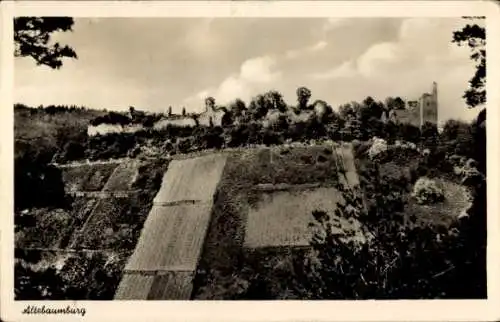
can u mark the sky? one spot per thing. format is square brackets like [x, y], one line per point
[153, 63]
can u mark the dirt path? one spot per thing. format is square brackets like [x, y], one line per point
[346, 158]
[168, 250]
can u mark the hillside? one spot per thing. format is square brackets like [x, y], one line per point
[90, 208]
[49, 129]
[258, 213]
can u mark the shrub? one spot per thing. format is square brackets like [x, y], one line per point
[378, 146]
[426, 191]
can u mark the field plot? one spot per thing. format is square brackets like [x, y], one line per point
[191, 179]
[226, 231]
[87, 177]
[111, 225]
[282, 218]
[293, 165]
[123, 177]
[82, 207]
[134, 286]
[172, 286]
[171, 239]
[164, 286]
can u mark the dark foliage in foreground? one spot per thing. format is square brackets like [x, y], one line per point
[38, 184]
[91, 276]
[399, 261]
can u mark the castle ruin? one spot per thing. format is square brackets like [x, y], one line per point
[417, 112]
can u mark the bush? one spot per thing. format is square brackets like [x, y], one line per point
[378, 146]
[426, 191]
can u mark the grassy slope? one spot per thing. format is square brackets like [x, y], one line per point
[35, 129]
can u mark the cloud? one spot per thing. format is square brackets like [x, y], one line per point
[422, 53]
[377, 57]
[259, 70]
[295, 53]
[346, 69]
[255, 75]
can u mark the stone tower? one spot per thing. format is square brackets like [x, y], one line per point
[429, 106]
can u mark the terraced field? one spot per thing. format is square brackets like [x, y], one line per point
[95, 222]
[167, 253]
[87, 177]
[54, 228]
[122, 177]
[191, 179]
[172, 239]
[109, 217]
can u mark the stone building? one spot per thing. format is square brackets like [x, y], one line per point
[212, 116]
[417, 112]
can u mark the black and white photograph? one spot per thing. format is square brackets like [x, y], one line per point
[249, 158]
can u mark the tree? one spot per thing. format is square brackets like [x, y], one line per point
[370, 108]
[457, 138]
[303, 96]
[237, 107]
[474, 36]
[394, 103]
[170, 111]
[478, 129]
[258, 107]
[32, 37]
[183, 111]
[346, 111]
[323, 111]
[274, 101]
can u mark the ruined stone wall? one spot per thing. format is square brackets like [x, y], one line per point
[429, 109]
[419, 112]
